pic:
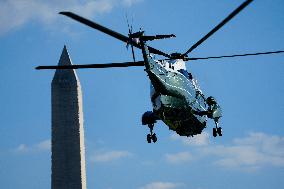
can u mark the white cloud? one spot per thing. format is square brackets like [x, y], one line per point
[178, 158]
[197, 140]
[129, 3]
[162, 185]
[109, 156]
[22, 148]
[271, 144]
[16, 13]
[44, 145]
[41, 146]
[250, 153]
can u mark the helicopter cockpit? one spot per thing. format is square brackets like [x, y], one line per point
[177, 65]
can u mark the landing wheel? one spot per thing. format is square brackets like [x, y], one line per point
[149, 138]
[219, 131]
[154, 138]
[214, 132]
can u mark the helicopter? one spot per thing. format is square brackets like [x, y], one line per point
[176, 97]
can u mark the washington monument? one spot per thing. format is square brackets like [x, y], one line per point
[68, 148]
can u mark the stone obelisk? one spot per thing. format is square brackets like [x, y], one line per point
[67, 144]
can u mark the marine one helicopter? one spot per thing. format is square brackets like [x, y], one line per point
[175, 95]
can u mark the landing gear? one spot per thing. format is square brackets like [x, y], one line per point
[214, 132]
[149, 118]
[217, 130]
[152, 136]
[149, 138]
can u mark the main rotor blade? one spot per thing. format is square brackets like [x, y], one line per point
[236, 55]
[82, 66]
[221, 24]
[110, 32]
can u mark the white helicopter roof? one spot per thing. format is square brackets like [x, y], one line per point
[174, 65]
[178, 64]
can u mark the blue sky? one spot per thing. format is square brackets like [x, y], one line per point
[250, 91]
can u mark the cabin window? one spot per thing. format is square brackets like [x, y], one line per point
[171, 66]
[184, 72]
[190, 76]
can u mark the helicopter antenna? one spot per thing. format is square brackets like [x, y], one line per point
[130, 29]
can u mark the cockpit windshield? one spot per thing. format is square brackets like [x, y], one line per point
[184, 72]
